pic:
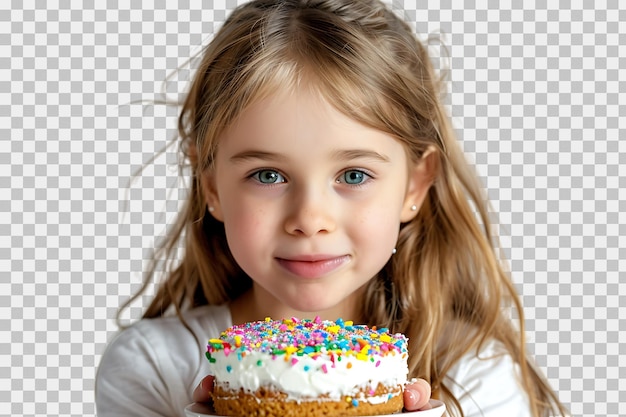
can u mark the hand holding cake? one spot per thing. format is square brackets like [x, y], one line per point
[309, 368]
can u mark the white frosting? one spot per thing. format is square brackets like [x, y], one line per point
[310, 377]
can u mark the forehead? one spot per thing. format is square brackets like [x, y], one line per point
[299, 124]
[297, 93]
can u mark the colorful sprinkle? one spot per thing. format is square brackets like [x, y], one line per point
[290, 339]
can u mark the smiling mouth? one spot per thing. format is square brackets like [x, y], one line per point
[313, 268]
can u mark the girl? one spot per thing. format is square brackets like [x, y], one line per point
[326, 180]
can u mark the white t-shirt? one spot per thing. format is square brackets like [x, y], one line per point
[152, 368]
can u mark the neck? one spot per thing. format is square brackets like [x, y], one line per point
[257, 304]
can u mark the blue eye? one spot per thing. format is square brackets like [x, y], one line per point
[353, 177]
[268, 176]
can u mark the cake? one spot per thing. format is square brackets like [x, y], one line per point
[317, 367]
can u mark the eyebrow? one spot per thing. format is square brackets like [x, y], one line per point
[350, 154]
[340, 155]
[265, 156]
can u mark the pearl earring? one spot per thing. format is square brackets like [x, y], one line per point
[393, 251]
[211, 209]
[413, 207]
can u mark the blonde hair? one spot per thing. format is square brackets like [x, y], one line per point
[445, 277]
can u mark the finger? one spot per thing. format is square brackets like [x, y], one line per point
[417, 395]
[202, 393]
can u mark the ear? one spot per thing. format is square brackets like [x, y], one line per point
[421, 177]
[209, 191]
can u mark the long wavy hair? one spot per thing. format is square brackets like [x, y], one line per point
[446, 276]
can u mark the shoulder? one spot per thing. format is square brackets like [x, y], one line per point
[152, 337]
[486, 383]
[155, 363]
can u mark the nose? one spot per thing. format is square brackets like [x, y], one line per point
[311, 212]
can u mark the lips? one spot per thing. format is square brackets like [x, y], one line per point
[313, 266]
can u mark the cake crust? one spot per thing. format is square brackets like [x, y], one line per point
[268, 403]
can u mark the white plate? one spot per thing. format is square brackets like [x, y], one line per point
[201, 410]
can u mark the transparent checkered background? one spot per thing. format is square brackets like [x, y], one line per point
[538, 96]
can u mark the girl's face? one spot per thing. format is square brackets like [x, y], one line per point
[311, 201]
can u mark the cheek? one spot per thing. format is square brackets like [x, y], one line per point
[247, 227]
[240, 222]
[377, 228]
